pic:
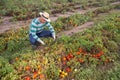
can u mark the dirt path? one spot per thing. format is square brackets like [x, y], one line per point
[83, 26]
[76, 30]
[7, 25]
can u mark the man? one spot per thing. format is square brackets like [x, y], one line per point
[37, 29]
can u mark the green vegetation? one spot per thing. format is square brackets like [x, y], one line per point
[76, 57]
[22, 9]
[89, 55]
[10, 40]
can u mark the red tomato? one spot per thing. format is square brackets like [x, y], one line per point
[42, 76]
[35, 75]
[70, 55]
[81, 60]
[64, 59]
[64, 62]
[80, 50]
[27, 67]
[68, 58]
[27, 78]
[78, 53]
[68, 69]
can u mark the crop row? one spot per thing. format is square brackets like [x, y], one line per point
[69, 57]
[22, 10]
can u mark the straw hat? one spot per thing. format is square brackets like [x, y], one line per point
[45, 15]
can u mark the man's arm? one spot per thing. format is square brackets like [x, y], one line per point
[51, 30]
[34, 31]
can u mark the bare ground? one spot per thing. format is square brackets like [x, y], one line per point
[76, 30]
[6, 24]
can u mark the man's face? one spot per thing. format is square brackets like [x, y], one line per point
[42, 20]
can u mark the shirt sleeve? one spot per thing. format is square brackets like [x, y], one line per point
[34, 31]
[51, 28]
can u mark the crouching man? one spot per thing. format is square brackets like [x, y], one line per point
[37, 29]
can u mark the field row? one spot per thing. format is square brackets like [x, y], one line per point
[12, 40]
[29, 10]
[76, 57]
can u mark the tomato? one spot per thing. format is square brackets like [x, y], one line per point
[62, 75]
[80, 50]
[81, 60]
[68, 69]
[78, 53]
[35, 75]
[70, 55]
[107, 60]
[27, 78]
[16, 58]
[64, 62]
[27, 68]
[64, 59]
[42, 76]
[68, 58]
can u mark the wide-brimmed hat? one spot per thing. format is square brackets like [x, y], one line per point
[45, 15]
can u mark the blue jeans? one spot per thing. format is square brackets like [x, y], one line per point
[44, 33]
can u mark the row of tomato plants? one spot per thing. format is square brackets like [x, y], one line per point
[94, 49]
[12, 40]
[68, 54]
[69, 57]
[59, 25]
[97, 46]
[21, 11]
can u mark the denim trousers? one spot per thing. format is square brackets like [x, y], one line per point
[44, 33]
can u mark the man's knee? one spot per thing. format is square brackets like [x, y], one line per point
[45, 33]
[31, 39]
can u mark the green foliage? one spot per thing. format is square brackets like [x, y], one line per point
[52, 72]
[5, 67]
[66, 23]
[22, 10]
[112, 46]
[116, 6]
[104, 37]
[117, 38]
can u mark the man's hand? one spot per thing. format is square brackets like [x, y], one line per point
[42, 42]
[54, 37]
